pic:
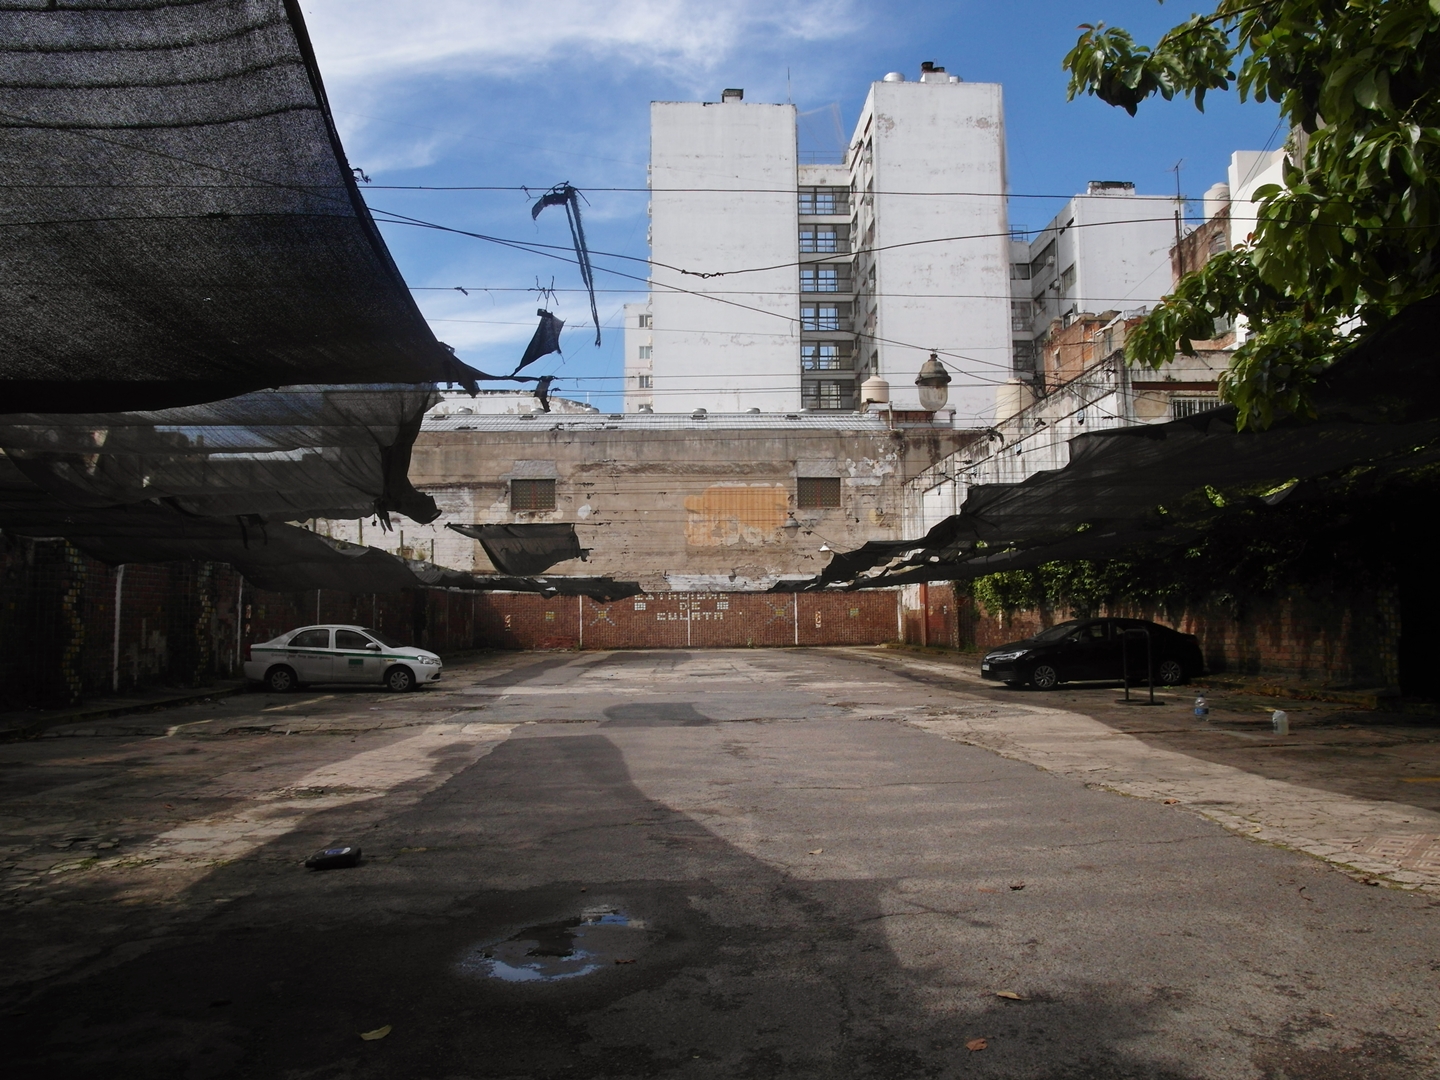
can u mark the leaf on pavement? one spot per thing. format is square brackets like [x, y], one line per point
[1008, 995]
[817, 851]
[976, 1044]
[378, 1033]
[1171, 802]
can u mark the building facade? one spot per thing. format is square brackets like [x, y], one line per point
[782, 286]
[1108, 249]
[691, 503]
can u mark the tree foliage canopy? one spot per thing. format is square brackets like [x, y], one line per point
[1351, 236]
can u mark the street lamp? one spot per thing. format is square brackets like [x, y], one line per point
[933, 382]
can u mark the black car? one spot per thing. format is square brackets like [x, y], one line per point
[1095, 649]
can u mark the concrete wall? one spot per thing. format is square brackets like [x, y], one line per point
[723, 180]
[669, 501]
[935, 138]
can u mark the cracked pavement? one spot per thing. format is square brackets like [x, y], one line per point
[832, 863]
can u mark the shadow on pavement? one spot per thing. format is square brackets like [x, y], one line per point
[753, 973]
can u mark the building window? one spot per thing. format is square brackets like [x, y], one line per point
[1217, 243]
[819, 279]
[817, 492]
[818, 238]
[532, 495]
[820, 356]
[1067, 279]
[1181, 407]
[647, 382]
[646, 352]
[820, 317]
[822, 200]
[1024, 356]
[647, 321]
[1021, 313]
[827, 394]
[1019, 271]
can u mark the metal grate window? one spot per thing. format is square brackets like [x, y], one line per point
[532, 495]
[817, 492]
[1181, 407]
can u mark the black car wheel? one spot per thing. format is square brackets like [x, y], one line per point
[1044, 677]
[400, 679]
[281, 680]
[1170, 673]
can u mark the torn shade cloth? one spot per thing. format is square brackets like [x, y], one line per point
[277, 556]
[1380, 402]
[180, 223]
[525, 549]
[546, 339]
[292, 453]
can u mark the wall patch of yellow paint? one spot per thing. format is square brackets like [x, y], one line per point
[727, 514]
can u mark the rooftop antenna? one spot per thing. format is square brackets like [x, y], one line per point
[788, 99]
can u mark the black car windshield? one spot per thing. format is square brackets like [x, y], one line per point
[1056, 632]
[385, 639]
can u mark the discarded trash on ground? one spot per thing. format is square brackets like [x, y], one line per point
[334, 858]
[378, 1033]
[1008, 995]
[817, 851]
[976, 1044]
[1171, 802]
[1017, 886]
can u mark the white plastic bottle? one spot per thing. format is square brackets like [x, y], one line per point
[1280, 720]
[1202, 710]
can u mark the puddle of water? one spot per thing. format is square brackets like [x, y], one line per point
[598, 938]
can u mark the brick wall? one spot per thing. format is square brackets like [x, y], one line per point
[1349, 639]
[688, 620]
[183, 624]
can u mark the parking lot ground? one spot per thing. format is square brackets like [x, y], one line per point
[739, 863]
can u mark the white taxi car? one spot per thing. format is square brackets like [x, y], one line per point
[339, 654]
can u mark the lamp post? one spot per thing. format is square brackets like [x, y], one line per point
[933, 383]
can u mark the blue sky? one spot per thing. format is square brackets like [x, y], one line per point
[478, 92]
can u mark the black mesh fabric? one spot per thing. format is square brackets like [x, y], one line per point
[1378, 403]
[271, 556]
[525, 549]
[179, 223]
[297, 452]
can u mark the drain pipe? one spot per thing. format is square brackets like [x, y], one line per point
[115, 644]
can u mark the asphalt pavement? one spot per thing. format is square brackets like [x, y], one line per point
[742, 863]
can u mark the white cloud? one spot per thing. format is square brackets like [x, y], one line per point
[379, 39]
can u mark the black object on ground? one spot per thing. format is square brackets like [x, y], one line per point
[334, 858]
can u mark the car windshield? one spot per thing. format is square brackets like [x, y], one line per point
[385, 639]
[1056, 632]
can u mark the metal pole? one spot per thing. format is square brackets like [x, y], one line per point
[317, 605]
[1150, 666]
[1125, 660]
[239, 622]
[797, 618]
[580, 618]
[115, 645]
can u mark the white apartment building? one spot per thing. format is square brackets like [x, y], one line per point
[1107, 250]
[639, 363]
[822, 275]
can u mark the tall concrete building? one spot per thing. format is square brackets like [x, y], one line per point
[781, 286]
[1107, 250]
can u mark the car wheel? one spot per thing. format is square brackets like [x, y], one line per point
[281, 680]
[400, 679]
[1044, 677]
[1170, 673]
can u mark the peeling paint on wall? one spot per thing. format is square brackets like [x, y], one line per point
[729, 514]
